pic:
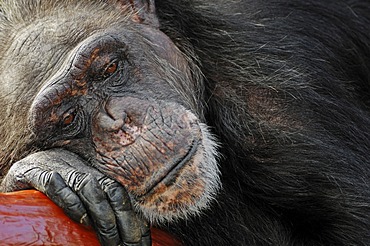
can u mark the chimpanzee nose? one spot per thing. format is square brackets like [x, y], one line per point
[111, 119]
[108, 123]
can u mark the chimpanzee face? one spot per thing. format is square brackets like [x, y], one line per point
[125, 100]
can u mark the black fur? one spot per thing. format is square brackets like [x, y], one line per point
[287, 91]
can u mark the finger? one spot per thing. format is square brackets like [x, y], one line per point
[53, 185]
[22, 176]
[58, 191]
[126, 219]
[146, 237]
[87, 189]
[99, 209]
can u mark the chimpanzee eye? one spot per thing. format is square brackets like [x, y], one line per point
[68, 118]
[71, 123]
[110, 69]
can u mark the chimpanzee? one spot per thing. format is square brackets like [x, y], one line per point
[224, 122]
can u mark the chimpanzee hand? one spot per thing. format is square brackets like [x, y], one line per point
[85, 194]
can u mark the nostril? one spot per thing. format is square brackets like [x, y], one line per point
[107, 123]
[126, 119]
[117, 125]
[110, 119]
[115, 112]
[109, 111]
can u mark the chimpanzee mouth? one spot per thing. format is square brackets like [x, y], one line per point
[168, 178]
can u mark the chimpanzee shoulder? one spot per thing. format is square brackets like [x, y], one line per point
[287, 87]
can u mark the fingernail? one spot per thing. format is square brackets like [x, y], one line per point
[85, 220]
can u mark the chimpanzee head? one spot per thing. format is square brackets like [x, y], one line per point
[119, 93]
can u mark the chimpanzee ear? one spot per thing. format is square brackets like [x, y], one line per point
[144, 10]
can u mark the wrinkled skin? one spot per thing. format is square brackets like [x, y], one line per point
[122, 101]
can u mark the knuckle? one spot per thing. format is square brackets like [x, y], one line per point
[77, 180]
[107, 182]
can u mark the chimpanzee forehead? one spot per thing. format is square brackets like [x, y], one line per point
[38, 46]
[51, 33]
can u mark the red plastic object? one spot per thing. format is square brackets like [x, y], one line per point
[30, 218]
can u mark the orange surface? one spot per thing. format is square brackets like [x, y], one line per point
[30, 218]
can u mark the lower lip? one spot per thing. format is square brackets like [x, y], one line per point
[172, 174]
